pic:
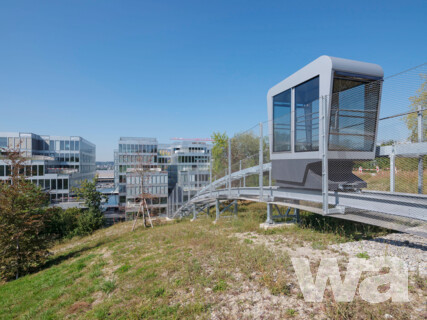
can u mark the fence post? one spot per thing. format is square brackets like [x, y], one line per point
[210, 178]
[229, 167]
[188, 187]
[420, 159]
[261, 159]
[176, 198]
[325, 168]
[240, 169]
[392, 169]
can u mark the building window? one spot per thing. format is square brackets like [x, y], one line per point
[3, 142]
[77, 145]
[354, 108]
[307, 116]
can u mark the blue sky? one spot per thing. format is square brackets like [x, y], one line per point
[105, 69]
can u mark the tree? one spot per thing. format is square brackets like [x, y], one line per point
[62, 223]
[23, 240]
[91, 219]
[419, 100]
[219, 153]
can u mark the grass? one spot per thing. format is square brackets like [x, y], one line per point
[363, 255]
[406, 181]
[174, 271]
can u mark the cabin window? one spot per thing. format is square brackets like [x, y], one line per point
[282, 121]
[354, 108]
[307, 116]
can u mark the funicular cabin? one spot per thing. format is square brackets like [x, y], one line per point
[351, 91]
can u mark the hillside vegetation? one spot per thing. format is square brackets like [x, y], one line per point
[186, 270]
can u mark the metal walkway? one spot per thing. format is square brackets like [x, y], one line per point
[398, 211]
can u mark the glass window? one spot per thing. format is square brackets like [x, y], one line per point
[59, 184]
[3, 142]
[41, 171]
[72, 157]
[77, 145]
[307, 116]
[41, 183]
[47, 184]
[282, 121]
[354, 108]
[52, 145]
[62, 145]
[67, 157]
[2, 171]
[77, 157]
[65, 183]
[53, 183]
[72, 145]
[67, 145]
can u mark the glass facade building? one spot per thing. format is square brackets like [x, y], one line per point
[144, 165]
[55, 163]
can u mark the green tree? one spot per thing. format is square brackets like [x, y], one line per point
[219, 153]
[419, 100]
[62, 223]
[91, 219]
[23, 240]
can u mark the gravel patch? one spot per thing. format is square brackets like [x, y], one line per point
[412, 249]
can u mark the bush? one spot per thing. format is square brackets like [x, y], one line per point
[62, 223]
[88, 221]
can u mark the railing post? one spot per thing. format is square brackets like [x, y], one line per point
[269, 177]
[420, 159]
[325, 169]
[392, 169]
[261, 159]
[229, 167]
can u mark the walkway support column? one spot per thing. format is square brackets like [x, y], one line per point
[269, 214]
[217, 210]
[194, 213]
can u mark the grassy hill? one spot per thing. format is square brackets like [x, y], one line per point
[184, 270]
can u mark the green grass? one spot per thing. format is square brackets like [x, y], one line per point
[363, 255]
[162, 273]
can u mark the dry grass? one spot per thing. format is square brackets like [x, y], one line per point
[184, 270]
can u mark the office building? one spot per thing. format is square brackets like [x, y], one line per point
[142, 165]
[55, 163]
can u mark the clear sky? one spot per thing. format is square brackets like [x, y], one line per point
[105, 69]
